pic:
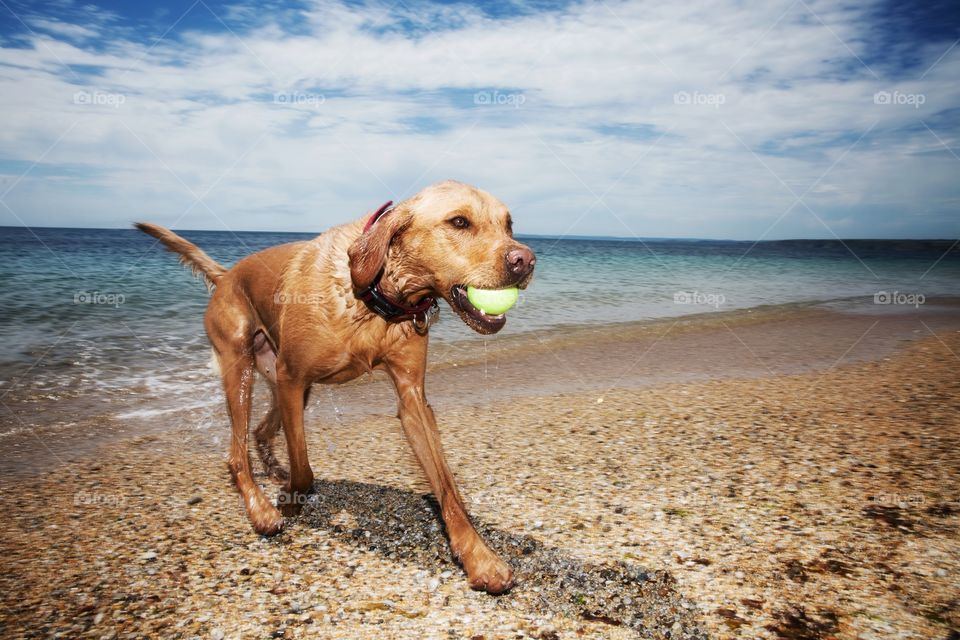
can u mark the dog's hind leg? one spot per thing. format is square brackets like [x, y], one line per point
[231, 342]
[264, 435]
[266, 431]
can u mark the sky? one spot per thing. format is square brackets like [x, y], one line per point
[727, 119]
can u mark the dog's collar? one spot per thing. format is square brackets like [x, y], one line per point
[378, 302]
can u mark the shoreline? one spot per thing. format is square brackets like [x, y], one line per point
[747, 343]
[561, 337]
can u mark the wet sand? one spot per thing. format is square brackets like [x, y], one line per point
[786, 475]
[753, 343]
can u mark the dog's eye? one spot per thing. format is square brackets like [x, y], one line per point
[459, 222]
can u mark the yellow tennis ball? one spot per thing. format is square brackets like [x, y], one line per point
[493, 301]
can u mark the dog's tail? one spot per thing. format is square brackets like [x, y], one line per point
[190, 254]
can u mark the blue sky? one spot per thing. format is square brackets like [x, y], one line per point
[714, 118]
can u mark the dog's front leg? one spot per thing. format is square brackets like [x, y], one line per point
[485, 570]
[292, 392]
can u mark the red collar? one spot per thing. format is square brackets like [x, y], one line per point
[377, 300]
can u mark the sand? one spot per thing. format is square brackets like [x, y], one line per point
[804, 497]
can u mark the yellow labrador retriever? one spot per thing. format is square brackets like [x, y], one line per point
[356, 298]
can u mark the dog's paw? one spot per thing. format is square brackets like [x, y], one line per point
[290, 502]
[487, 572]
[266, 521]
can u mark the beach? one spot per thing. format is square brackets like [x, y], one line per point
[689, 275]
[789, 472]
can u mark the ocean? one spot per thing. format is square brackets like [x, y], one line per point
[104, 321]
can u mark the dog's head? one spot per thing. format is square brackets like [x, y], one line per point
[442, 240]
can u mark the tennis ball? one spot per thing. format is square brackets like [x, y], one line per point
[493, 301]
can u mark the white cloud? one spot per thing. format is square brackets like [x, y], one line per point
[380, 111]
[65, 29]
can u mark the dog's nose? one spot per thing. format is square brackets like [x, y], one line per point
[520, 261]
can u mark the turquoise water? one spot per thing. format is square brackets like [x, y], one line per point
[106, 314]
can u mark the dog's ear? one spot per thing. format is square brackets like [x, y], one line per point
[368, 253]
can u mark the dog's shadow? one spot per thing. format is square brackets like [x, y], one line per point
[405, 526]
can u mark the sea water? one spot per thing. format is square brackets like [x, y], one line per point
[109, 317]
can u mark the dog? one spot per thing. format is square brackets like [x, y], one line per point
[357, 298]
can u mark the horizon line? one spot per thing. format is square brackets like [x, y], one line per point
[545, 236]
